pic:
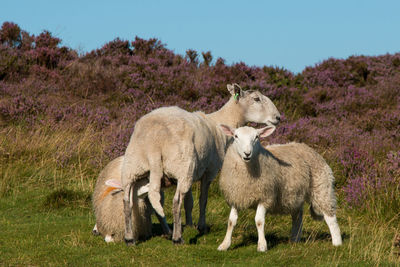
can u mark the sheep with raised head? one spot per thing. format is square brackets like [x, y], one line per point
[277, 179]
[109, 209]
[187, 147]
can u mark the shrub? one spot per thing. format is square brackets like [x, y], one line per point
[347, 109]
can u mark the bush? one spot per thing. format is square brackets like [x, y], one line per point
[348, 109]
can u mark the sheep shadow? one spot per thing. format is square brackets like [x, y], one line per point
[194, 240]
[273, 239]
[157, 231]
[311, 236]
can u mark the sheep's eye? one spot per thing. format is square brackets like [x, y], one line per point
[257, 99]
[235, 136]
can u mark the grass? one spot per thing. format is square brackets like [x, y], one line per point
[46, 180]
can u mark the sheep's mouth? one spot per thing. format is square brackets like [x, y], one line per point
[263, 125]
[270, 123]
[246, 159]
[274, 123]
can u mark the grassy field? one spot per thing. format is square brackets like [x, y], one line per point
[46, 218]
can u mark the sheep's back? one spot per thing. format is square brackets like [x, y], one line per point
[300, 167]
[178, 136]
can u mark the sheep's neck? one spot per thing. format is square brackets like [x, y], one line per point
[230, 114]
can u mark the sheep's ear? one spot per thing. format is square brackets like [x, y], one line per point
[114, 183]
[235, 91]
[227, 130]
[266, 131]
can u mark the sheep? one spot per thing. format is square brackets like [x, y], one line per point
[277, 179]
[108, 206]
[186, 147]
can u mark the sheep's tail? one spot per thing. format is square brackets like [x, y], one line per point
[156, 174]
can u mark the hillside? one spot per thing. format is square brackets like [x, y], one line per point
[64, 115]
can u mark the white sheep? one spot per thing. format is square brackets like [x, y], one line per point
[186, 147]
[108, 206]
[277, 179]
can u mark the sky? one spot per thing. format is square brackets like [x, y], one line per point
[288, 34]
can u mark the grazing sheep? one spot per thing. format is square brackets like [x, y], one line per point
[109, 210]
[186, 147]
[277, 179]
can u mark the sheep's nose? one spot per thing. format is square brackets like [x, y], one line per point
[278, 118]
[247, 154]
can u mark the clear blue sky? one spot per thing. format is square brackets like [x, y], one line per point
[289, 34]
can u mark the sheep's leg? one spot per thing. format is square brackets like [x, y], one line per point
[164, 225]
[162, 220]
[188, 205]
[128, 203]
[95, 231]
[205, 184]
[176, 206]
[297, 225]
[331, 221]
[233, 216]
[260, 221]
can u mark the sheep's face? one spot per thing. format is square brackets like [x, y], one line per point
[259, 108]
[256, 106]
[247, 139]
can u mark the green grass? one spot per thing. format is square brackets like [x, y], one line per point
[46, 218]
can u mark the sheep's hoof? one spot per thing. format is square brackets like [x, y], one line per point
[223, 247]
[178, 241]
[203, 230]
[167, 236]
[262, 247]
[130, 242]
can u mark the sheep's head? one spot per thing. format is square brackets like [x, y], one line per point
[256, 107]
[247, 139]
